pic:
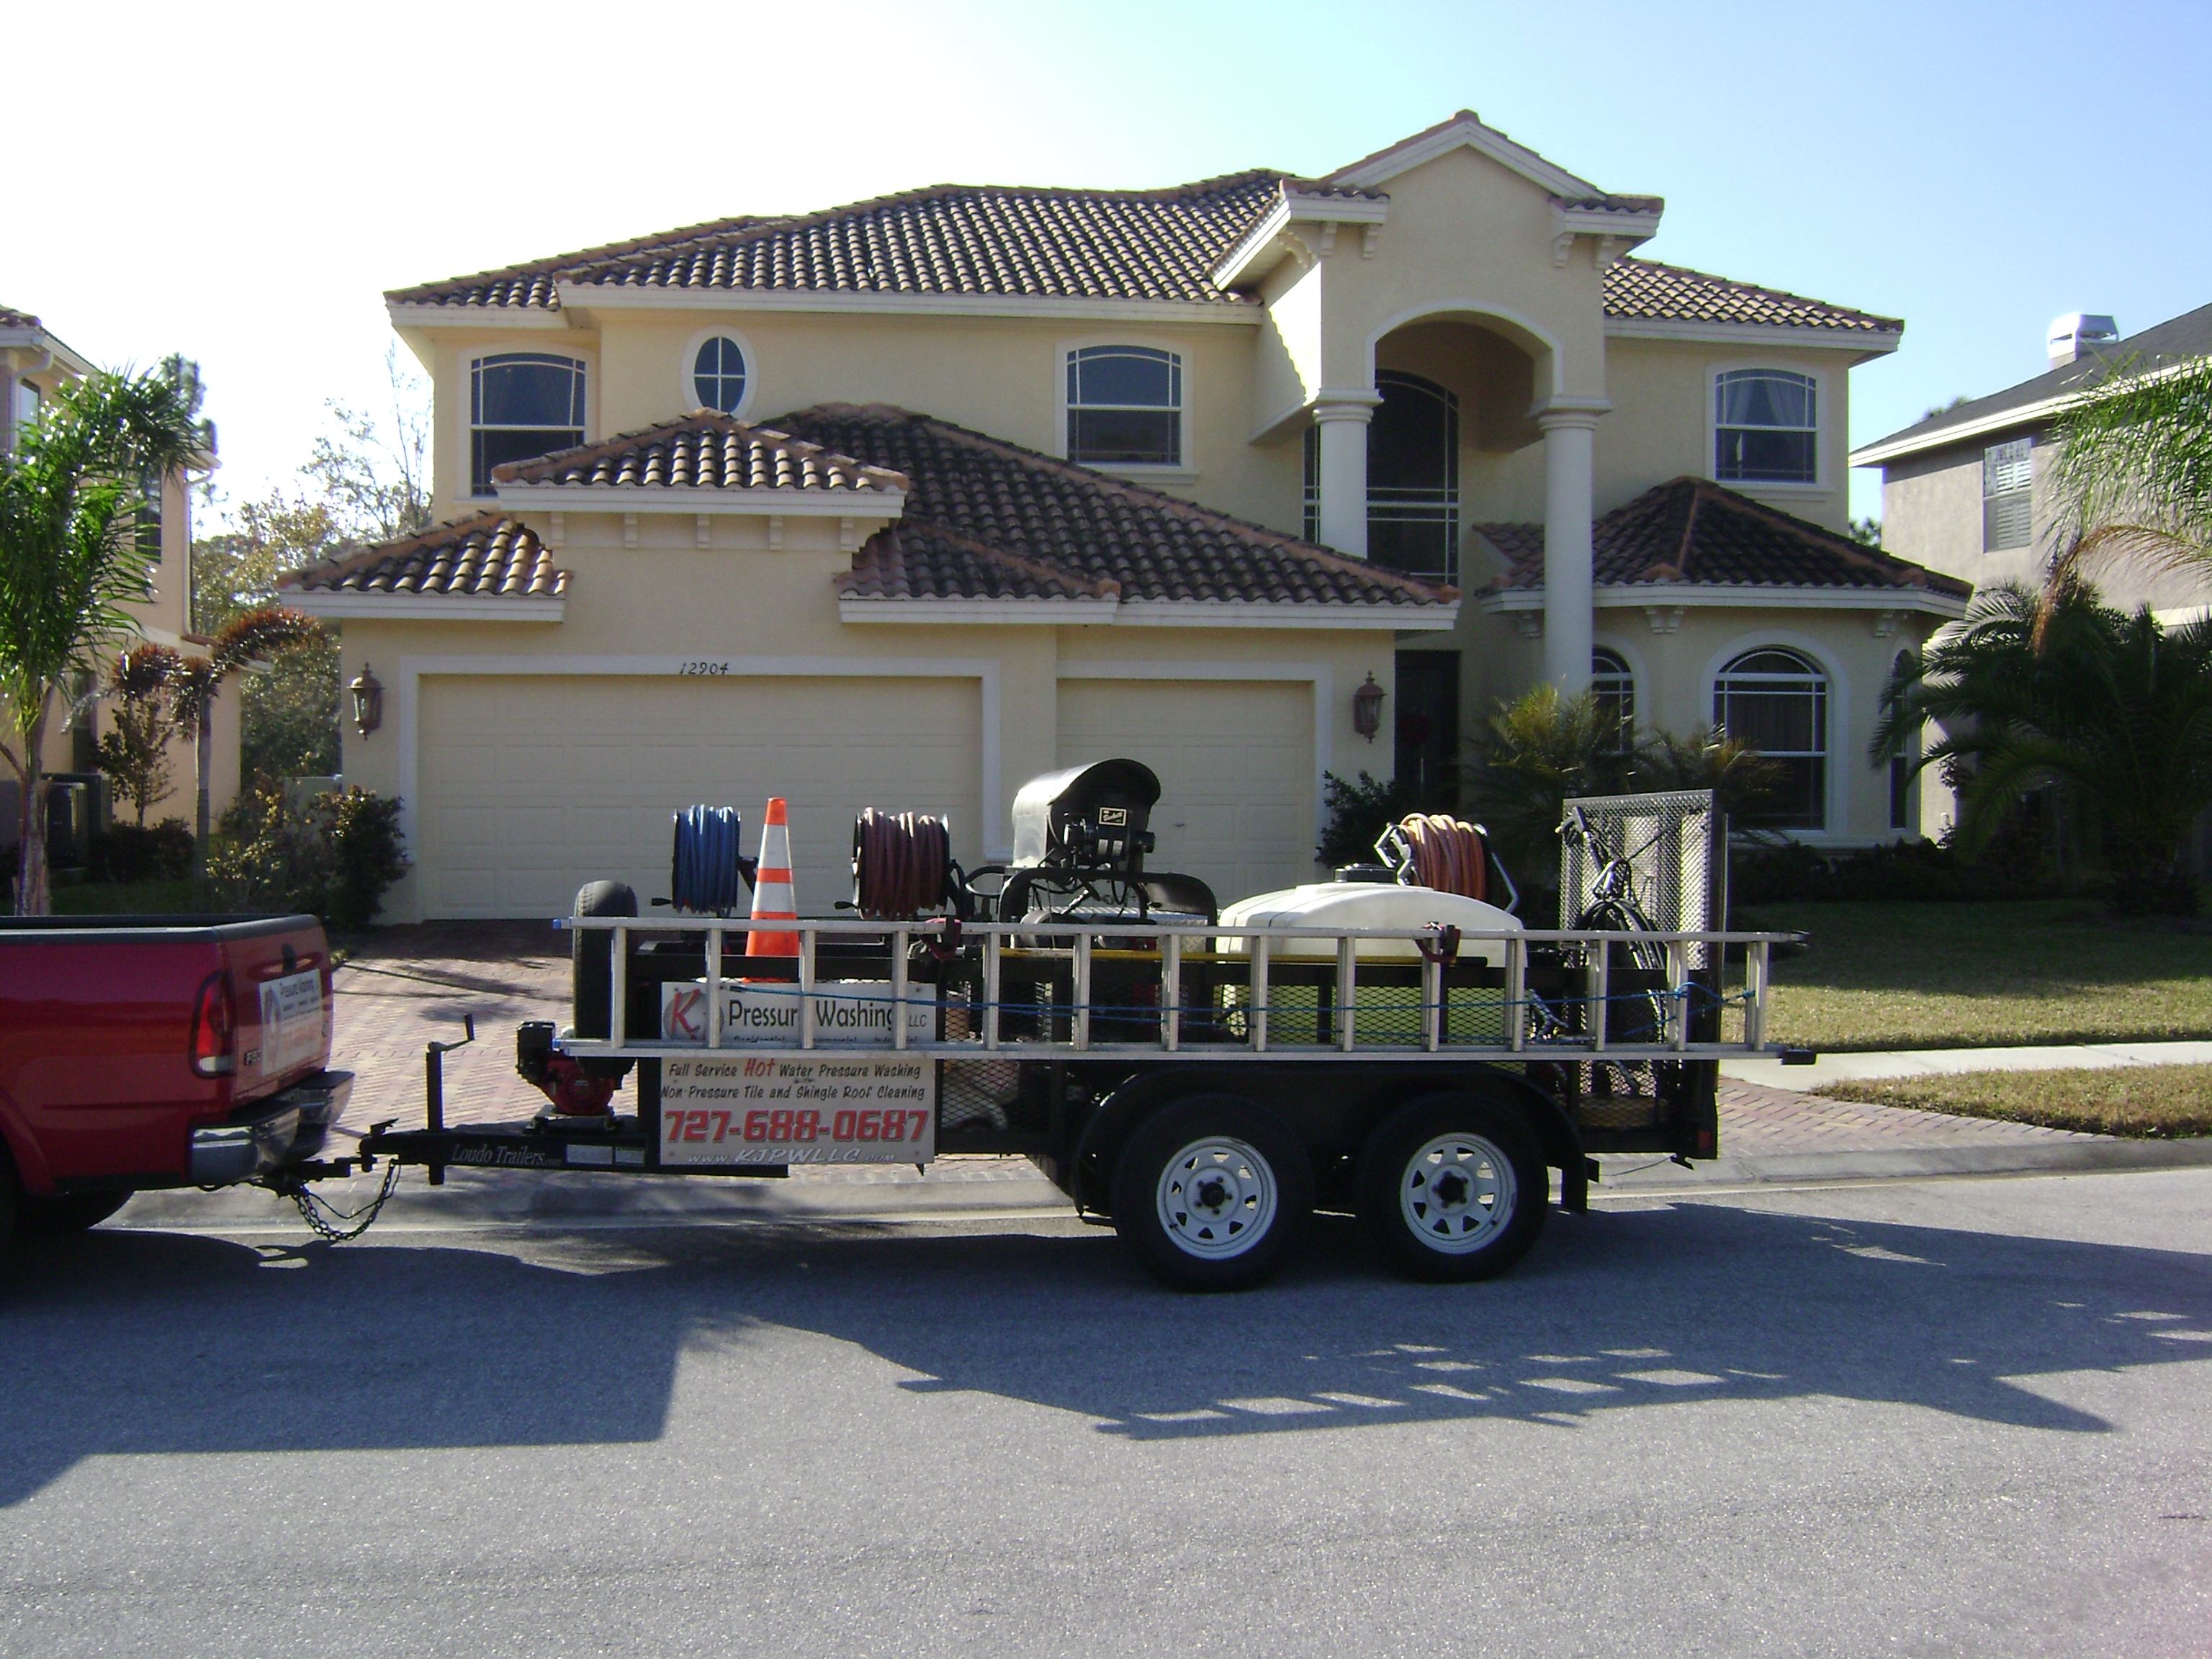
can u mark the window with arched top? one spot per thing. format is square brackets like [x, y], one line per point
[1776, 701]
[1613, 687]
[718, 374]
[1766, 427]
[1125, 406]
[522, 404]
[1412, 478]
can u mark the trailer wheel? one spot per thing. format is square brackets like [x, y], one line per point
[59, 1214]
[1453, 1189]
[591, 957]
[1211, 1193]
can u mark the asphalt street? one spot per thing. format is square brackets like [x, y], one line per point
[1958, 1417]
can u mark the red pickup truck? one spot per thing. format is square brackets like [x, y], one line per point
[138, 1052]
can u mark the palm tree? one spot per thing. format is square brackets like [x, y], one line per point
[2061, 690]
[193, 683]
[2133, 473]
[70, 558]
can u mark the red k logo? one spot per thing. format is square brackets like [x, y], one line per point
[687, 1015]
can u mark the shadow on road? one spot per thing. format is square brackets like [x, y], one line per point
[128, 1341]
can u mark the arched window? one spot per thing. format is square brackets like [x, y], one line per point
[1412, 478]
[1614, 688]
[1776, 702]
[522, 404]
[1765, 427]
[718, 374]
[1125, 406]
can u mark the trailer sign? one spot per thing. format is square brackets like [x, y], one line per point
[806, 1108]
[849, 1012]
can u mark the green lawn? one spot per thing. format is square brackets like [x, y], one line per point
[1971, 975]
[2159, 1101]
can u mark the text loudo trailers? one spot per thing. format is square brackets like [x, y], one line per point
[1203, 1087]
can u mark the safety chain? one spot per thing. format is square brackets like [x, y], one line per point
[311, 1208]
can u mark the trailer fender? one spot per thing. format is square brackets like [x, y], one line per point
[1555, 1132]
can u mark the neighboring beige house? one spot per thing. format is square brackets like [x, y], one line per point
[34, 364]
[902, 503]
[1964, 489]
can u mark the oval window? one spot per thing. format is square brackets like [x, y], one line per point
[718, 375]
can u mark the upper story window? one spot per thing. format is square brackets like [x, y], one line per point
[1613, 687]
[2008, 515]
[27, 403]
[1777, 701]
[718, 374]
[1125, 406]
[1412, 478]
[1765, 427]
[522, 404]
[149, 515]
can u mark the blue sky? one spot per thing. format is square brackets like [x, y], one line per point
[255, 177]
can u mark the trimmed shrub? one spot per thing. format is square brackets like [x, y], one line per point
[1918, 870]
[133, 852]
[333, 856]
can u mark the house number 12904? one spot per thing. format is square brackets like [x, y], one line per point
[702, 668]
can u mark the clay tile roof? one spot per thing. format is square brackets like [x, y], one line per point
[1646, 288]
[988, 520]
[11, 317]
[947, 239]
[490, 556]
[702, 451]
[1693, 531]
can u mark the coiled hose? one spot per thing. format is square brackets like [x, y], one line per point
[706, 871]
[1439, 851]
[902, 865]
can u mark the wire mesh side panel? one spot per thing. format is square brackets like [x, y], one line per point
[1673, 846]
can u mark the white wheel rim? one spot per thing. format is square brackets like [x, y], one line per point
[1217, 1198]
[1457, 1194]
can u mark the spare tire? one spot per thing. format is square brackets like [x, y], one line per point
[591, 955]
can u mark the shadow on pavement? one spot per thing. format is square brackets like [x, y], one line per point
[134, 1342]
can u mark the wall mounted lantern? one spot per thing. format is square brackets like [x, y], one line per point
[368, 701]
[1367, 708]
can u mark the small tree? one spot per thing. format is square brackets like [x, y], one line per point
[134, 751]
[71, 559]
[2115, 711]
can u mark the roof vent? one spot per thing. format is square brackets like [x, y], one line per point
[2077, 334]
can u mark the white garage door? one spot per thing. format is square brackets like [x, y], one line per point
[529, 788]
[1235, 765]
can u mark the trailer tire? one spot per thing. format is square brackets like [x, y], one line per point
[591, 954]
[1211, 1193]
[57, 1215]
[1453, 1189]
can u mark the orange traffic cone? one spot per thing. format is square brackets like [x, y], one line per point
[772, 896]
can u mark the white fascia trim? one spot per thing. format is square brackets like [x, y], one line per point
[1260, 613]
[407, 695]
[412, 315]
[1242, 260]
[1320, 675]
[974, 613]
[1874, 342]
[1475, 136]
[1244, 314]
[1148, 613]
[883, 504]
[1713, 596]
[417, 607]
[1897, 449]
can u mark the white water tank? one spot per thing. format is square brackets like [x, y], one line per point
[2078, 333]
[1370, 904]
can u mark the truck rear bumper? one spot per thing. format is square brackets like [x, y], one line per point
[286, 1128]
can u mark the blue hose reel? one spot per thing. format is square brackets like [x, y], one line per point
[708, 875]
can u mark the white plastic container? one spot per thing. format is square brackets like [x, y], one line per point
[1369, 904]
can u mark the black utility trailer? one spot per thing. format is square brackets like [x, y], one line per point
[1203, 1087]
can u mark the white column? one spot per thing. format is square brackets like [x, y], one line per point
[1342, 418]
[1570, 450]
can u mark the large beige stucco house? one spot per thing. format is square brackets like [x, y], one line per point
[902, 503]
[34, 365]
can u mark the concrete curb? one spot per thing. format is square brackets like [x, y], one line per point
[2087, 1155]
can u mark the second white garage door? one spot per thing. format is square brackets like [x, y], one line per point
[529, 788]
[1235, 765]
